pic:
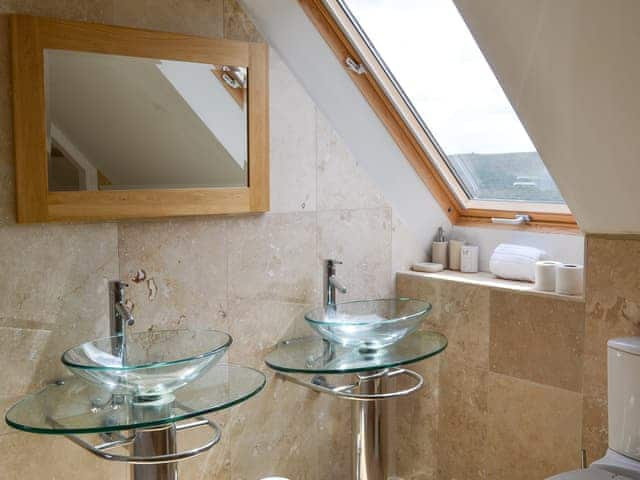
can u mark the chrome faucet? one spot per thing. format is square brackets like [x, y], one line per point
[119, 314]
[332, 283]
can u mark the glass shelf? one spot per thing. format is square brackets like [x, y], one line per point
[78, 407]
[313, 355]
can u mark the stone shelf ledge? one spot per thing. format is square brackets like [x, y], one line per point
[491, 281]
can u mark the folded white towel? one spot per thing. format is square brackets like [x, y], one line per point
[516, 262]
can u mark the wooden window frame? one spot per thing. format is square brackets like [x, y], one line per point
[30, 36]
[386, 101]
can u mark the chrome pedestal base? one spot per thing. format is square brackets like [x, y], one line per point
[369, 415]
[153, 443]
[369, 430]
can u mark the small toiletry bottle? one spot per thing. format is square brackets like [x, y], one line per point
[469, 259]
[455, 247]
[439, 249]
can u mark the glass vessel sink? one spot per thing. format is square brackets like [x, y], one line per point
[368, 325]
[147, 364]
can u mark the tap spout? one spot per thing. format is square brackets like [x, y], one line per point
[124, 313]
[331, 284]
[337, 284]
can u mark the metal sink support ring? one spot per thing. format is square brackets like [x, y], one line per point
[319, 384]
[101, 450]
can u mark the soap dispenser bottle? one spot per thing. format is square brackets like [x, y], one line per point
[439, 249]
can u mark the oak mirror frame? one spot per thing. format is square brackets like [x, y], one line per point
[32, 36]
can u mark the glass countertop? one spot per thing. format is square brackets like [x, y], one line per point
[314, 355]
[78, 407]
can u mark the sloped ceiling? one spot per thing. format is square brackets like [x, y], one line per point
[571, 70]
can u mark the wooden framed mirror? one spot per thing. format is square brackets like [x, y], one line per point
[114, 123]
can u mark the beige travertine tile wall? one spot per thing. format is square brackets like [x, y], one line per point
[522, 386]
[613, 310]
[250, 275]
[508, 388]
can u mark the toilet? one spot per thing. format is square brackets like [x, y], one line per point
[622, 460]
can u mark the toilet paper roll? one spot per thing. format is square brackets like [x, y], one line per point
[546, 275]
[569, 279]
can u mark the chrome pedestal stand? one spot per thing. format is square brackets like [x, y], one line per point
[369, 419]
[310, 361]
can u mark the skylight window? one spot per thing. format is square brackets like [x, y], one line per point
[429, 54]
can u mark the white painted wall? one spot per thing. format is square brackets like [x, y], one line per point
[562, 248]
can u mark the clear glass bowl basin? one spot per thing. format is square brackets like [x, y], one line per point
[149, 363]
[368, 325]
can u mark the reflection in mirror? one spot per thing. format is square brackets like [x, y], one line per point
[118, 122]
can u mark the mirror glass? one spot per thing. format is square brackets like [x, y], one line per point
[116, 122]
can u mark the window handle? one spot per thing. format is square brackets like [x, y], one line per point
[354, 66]
[517, 220]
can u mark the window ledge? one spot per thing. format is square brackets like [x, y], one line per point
[491, 281]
